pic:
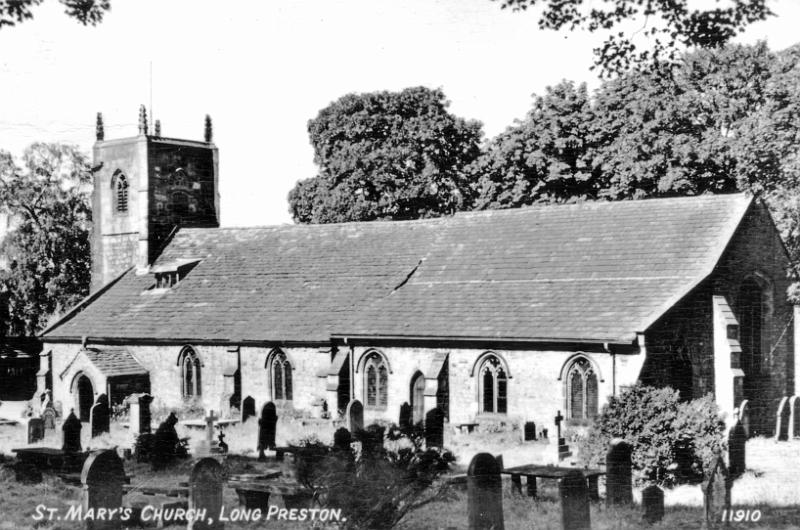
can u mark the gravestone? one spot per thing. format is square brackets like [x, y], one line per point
[737, 439]
[529, 431]
[484, 493]
[405, 416]
[49, 418]
[35, 430]
[372, 440]
[434, 428]
[102, 477]
[355, 416]
[139, 417]
[72, 434]
[100, 416]
[165, 443]
[205, 493]
[342, 439]
[248, 408]
[574, 494]
[619, 485]
[716, 492]
[563, 448]
[267, 426]
[653, 504]
[781, 419]
[744, 416]
[209, 446]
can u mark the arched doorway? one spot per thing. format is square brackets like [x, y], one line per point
[418, 398]
[85, 397]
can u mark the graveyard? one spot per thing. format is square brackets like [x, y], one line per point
[252, 464]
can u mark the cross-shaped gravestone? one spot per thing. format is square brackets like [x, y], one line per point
[558, 419]
[210, 419]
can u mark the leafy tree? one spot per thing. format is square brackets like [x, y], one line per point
[387, 155]
[545, 158]
[87, 12]
[47, 247]
[671, 25]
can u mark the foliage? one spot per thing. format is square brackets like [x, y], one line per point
[545, 158]
[668, 26]
[377, 486]
[47, 246]
[672, 442]
[87, 12]
[387, 155]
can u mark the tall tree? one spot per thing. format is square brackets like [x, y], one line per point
[47, 246]
[87, 12]
[387, 155]
[545, 158]
[669, 26]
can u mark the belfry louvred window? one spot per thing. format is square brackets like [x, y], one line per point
[376, 382]
[493, 382]
[120, 193]
[582, 390]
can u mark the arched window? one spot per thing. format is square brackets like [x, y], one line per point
[582, 390]
[493, 382]
[120, 193]
[190, 373]
[376, 382]
[281, 377]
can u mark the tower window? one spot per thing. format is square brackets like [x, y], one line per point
[121, 194]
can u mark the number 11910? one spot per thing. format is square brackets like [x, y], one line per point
[741, 516]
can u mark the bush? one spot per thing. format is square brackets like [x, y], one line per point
[377, 486]
[672, 442]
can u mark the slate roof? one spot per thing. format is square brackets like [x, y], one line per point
[593, 271]
[114, 362]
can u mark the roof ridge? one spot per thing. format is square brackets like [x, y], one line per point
[480, 213]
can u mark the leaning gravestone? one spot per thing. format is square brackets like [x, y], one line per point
[484, 493]
[619, 485]
[35, 430]
[716, 492]
[267, 427]
[49, 418]
[205, 494]
[736, 450]
[574, 494]
[405, 416]
[355, 416]
[102, 477]
[653, 504]
[100, 416]
[434, 428]
[72, 434]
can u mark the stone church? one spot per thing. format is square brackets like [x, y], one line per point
[492, 316]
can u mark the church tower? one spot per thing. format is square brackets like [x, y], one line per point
[146, 187]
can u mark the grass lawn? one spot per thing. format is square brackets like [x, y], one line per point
[771, 484]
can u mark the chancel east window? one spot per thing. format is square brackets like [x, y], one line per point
[581, 390]
[493, 382]
[281, 377]
[376, 382]
[190, 373]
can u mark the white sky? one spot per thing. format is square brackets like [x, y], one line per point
[263, 68]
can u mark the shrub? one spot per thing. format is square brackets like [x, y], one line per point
[377, 486]
[672, 442]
